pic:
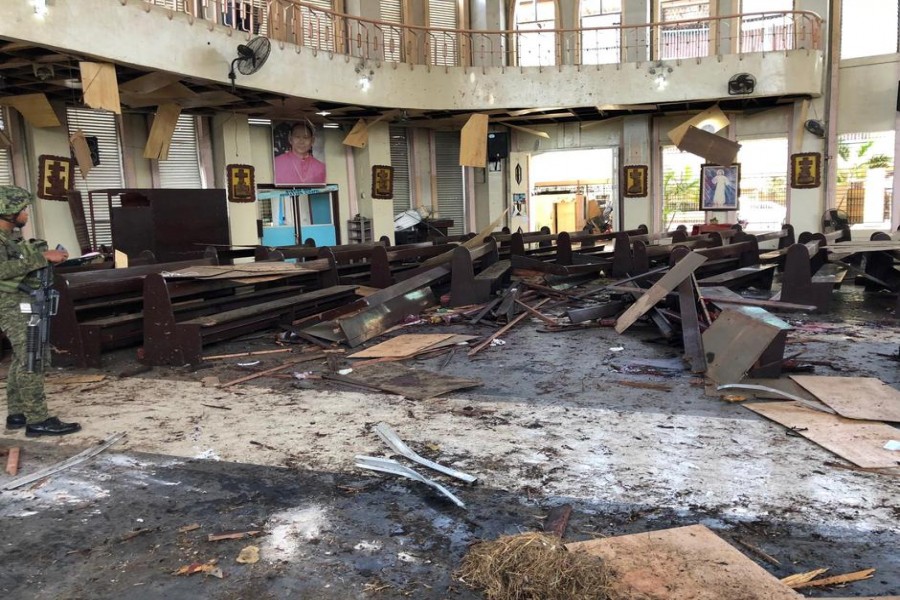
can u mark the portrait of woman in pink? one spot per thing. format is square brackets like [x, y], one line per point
[296, 164]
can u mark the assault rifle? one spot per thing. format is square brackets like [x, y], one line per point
[44, 304]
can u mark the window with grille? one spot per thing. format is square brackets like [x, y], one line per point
[767, 32]
[449, 179]
[763, 185]
[6, 176]
[108, 174]
[601, 46]
[392, 37]
[400, 163]
[865, 177]
[182, 168]
[535, 38]
[443, 46]
[683, 40]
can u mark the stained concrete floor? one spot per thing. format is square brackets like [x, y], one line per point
[558, 426]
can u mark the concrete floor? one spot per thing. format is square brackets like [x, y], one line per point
[555, 422]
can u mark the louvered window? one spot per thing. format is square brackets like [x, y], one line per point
[392, 37]
[400, 163]
[6, 177]
[443, 45]
[318, 27]
[182, 168]
[108, 174]
[449, 178]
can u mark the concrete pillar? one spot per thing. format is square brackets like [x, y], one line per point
[636, 151]
[376, 152]
[49, 219]
[231, 145]
[636, 41]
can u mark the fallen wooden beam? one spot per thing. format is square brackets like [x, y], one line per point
[503, 329]
[281, 367]
[668, 282]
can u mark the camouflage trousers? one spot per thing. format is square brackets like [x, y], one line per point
[24, 390]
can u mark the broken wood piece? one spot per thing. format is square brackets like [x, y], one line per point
[801, 578]
[253, 353]
[700, 299]
[386, 465]
[402, 346]
[535, 313]
[866, 398]
[12, 461]
[503, 330]
[187, 528]
[775, 392]
[557, 520]
[66, 464]
[758, 552]
[837, 579]
[690, 325]
[133, 534]
[591, 313]
[302, 359]
[668, 282]
[232, 535]
[390, 437]
[735, 299]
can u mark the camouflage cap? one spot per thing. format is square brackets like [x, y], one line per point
[13, 199]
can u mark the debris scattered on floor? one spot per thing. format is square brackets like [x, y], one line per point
[248, 555]
[386, 465]
[534, 565]
[232, 535]
[810, 578]
[209, 568]
[12, 461]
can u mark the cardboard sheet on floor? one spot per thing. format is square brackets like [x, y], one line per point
[684, 562]
[855, 397]
[417, 384]
[402, 345]
[860, 442]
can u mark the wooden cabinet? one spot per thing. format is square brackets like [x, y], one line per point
[359, 230]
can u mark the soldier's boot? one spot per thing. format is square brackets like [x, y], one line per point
[51, 426]
[16, 421]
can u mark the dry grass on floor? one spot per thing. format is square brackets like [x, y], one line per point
[533, 566]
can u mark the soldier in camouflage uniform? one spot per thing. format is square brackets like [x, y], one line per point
[19, 261]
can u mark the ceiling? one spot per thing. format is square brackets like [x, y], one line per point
[29, 69]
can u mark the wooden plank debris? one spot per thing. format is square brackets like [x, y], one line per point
[303, 358]
[417, 384]
[232, 535]
[834, 580]
[487, 341]
[860, 442]
[684, 562]
[738, 339]
[866, 398]
[12, 461]
[402, 345]
[690, 325]
[668, 282]
[557, 520]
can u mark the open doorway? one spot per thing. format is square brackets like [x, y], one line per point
[571, 187]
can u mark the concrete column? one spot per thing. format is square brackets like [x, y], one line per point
[490, 197]
[635, 42]
[376, 152]
[636, 151]
[518, 159]
[49, 219]
[231, 145]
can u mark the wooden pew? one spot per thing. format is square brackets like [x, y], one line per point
[179, 317]
[467, 287]
[96, 295]
[807, 278]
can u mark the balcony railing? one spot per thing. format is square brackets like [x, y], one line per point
[306, 26]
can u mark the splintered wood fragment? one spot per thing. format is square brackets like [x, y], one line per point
[537, 314]
[647, 386]
[12, 461]
[254, 353]
[133, 534]
[801, 578]
[235, 535]
[758, 553]
[835, 580]
[303, 358]
[557, 520]
[503, 330]
[668, 282]
[190, 527]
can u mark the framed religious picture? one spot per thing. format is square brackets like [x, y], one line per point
[806, 171]
[720, 186]
[299, 149]
[382, 182]
[54, 177]
[634, 181]
[241, 183]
